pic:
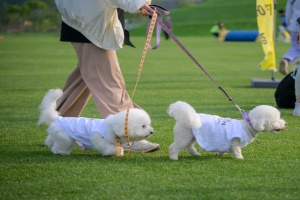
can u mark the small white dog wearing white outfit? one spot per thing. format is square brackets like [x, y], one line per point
[64, 133]
[217, 134]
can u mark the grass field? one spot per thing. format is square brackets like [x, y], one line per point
[30, 64]
[197, 19]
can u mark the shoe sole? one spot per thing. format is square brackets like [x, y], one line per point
[152, 150]
[144, 151]
[283, 65]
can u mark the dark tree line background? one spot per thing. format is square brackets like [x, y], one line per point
[42, 16]
[28, 16]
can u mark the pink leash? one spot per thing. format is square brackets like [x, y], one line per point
[161, 25]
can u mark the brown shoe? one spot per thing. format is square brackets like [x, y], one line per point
[283, 66]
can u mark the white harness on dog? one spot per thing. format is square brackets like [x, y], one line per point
[216, 133]
[80, 129]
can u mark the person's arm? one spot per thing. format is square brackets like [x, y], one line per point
[131, 6]
[288, 12]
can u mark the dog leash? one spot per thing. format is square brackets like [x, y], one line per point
[161, 25]
[146, 47]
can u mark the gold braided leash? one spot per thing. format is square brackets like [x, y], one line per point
[148, 39]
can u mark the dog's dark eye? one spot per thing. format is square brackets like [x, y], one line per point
[144, 126]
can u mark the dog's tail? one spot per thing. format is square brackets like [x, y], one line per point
[48, 106]
[184, 114]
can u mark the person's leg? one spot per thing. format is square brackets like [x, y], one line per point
[296, 111]
[290, 56]
[75, 95]
[101, 73]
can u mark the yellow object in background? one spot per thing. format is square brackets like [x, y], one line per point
[266, 23]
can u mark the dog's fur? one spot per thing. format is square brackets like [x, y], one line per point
[60, 143]
[262, 118]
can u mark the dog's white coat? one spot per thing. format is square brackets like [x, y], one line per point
[81, 128]
[224, 129]
[209, 134]
[62, 142]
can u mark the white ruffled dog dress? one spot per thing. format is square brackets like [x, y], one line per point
[223, 129]
[80, 129]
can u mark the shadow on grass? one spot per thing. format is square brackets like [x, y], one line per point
[40, 154]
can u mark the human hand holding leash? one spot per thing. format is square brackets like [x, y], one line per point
[146, 10]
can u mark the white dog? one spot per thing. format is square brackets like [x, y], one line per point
[216, 134]
[64, 133]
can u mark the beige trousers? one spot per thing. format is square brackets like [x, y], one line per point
[98, 74]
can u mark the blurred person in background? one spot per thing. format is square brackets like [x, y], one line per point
[292, 13]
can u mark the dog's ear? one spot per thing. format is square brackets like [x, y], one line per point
[258, 124]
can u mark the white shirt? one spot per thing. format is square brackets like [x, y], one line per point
[81, 128]
[98, 20]
[216, 133]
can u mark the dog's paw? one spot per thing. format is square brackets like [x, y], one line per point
[54, 151]
[219, 154]
[173, 157]
[197, 154]
[240, 157]
[119, 151]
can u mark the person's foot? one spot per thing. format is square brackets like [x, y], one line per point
[296, 111]
[142, 146]
[283, 66]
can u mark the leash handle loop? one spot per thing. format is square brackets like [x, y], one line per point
[158, 10]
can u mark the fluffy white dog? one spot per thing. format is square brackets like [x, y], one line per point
[217, 134]
[64, 133]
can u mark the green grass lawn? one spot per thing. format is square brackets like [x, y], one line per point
[30, 64]
[197, 19]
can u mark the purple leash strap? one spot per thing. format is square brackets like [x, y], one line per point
[161, 25]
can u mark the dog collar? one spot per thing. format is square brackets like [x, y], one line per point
[247, 119]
